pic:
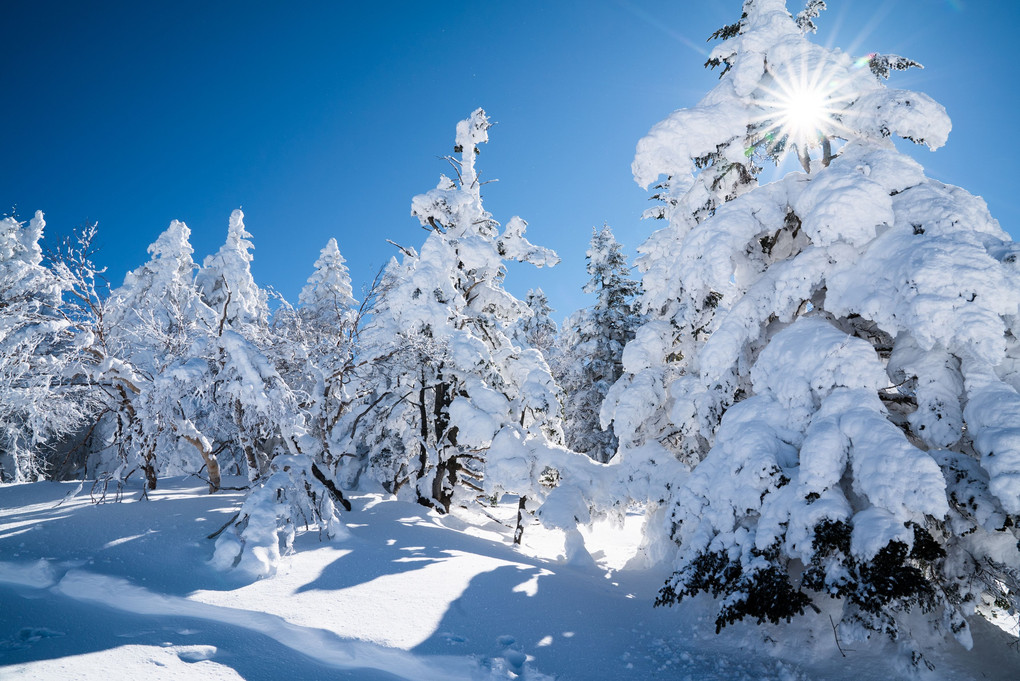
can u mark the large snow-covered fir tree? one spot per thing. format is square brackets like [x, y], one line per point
[834, 353]
[443, 383]
[591, 346]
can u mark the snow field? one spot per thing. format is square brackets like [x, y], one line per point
[125, 591]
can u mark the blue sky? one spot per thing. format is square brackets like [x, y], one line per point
[323, 119]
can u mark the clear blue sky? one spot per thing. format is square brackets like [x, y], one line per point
[323, 119]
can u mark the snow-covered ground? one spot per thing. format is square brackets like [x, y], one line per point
[124, 590]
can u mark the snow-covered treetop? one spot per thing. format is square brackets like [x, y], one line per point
[162, 291]
[538, 328]
[329, 287]
[456, 208]
[471, 132]
[778, 93]
[171, 259]
[173, 243]
[609, 271]
[786, 91]
[226, 282]
[23, 278]
[21, 242]
[459, 204]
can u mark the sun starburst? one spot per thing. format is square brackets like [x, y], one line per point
[802, 110]
[803, 115]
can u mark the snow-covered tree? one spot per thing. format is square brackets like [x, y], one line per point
[239, 400]
[328, 299]
[36, 359]
[834, 353]
[143, 330]
[316, 345]
[226, 283]
[537, 329]
[444, 381]
[256, 413]
[592, 348]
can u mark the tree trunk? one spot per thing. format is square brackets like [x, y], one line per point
[519, 530]
[150, 471]
[443, 493]
[423, 451]
[211, 464]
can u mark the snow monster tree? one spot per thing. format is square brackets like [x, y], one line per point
[442, 382]
[834, 354]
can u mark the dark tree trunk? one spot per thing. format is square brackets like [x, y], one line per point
[331, 486]
[443, 493]
[434, 428]
[150, 473]
[519, 531]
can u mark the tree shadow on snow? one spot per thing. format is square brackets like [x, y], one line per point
[120, 539]
[397, 549]
[515, 611]
[37, 626]
[404, 545]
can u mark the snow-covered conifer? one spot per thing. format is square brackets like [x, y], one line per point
[327, 297]
[590, 360]
[443, 377]
[226, 282]
[538, 329]
[833, 353]
[318, 344]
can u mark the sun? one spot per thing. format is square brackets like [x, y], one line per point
[804, 116]
[801, 111]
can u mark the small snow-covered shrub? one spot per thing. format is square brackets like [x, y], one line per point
[295, 494]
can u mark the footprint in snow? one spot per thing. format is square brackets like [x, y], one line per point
[514, 658]
[29, 635]
[196, 653]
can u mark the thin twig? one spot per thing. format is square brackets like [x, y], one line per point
[836, 636]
